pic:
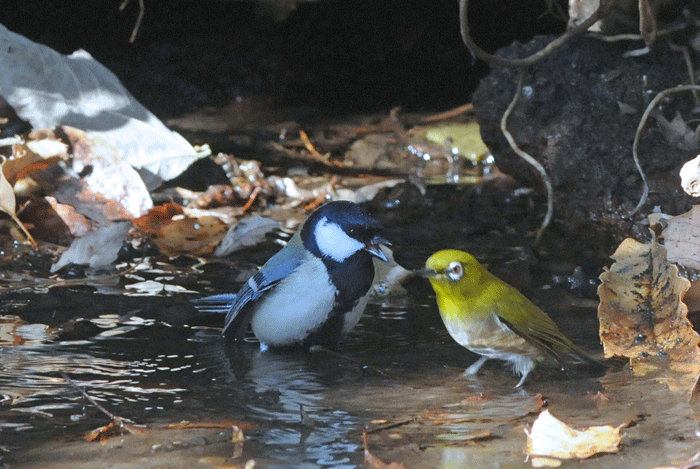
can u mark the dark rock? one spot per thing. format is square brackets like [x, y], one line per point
[578, 115]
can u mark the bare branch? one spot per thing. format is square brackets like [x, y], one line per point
[640, 128]
[529, 159]
[555, 44]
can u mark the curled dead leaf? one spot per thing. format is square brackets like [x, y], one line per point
[642, 315]
[31, 156]
[551, 440]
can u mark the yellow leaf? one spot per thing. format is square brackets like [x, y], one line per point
[462, 139]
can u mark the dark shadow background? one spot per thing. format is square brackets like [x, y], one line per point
[336, 55]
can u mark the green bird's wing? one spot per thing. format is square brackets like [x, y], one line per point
[533, 325]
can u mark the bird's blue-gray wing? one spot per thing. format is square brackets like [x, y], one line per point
[215, 304]
[275, 270]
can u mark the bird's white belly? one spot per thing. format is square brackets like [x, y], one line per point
[491, 338]
[298, 306]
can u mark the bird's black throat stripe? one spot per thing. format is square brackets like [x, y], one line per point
[353, 279]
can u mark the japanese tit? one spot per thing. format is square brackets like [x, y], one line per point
[313, 290]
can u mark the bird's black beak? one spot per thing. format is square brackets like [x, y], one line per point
[374, 247]
[425, 272]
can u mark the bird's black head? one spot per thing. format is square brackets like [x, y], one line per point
[340, 229]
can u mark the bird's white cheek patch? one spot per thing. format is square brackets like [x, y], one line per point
[333, 242]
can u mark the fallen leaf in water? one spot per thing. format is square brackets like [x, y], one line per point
[103, 433]
[460, 139]
[153, 288]
[641, 313]
[551, 440]
[473, 412]
[374, 462]
[117, 427]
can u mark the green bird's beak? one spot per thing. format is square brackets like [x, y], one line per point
[425, 272]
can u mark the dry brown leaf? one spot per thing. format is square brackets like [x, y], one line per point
[176, 234]
[682, 238]
[116, 427]
[157, 217]
[54, 222]
[551, 440]
[641, 313]
[33, 156]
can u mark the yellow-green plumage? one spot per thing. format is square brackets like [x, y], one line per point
[491, 318]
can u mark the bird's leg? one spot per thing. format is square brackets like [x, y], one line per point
[475, 367]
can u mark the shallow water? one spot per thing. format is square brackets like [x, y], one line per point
[401, 379]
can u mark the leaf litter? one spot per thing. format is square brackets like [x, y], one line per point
[648, 321]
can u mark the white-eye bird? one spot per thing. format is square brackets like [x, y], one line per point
[313, 290]
[493, 319]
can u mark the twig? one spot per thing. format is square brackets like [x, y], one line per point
[555, 44]
[389, 426]
[647, 23]
[294, 154]
[464, 108]
[320, 348]
[310, 146]
[322, 197]
[638, 134]
[529, 159]
[688, 65]
[142, 11]
[251, 199]
[26, 232]
[118, 420]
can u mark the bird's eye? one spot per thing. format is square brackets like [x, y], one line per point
[455, 271]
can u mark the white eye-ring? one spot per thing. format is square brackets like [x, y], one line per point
[455, 271]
